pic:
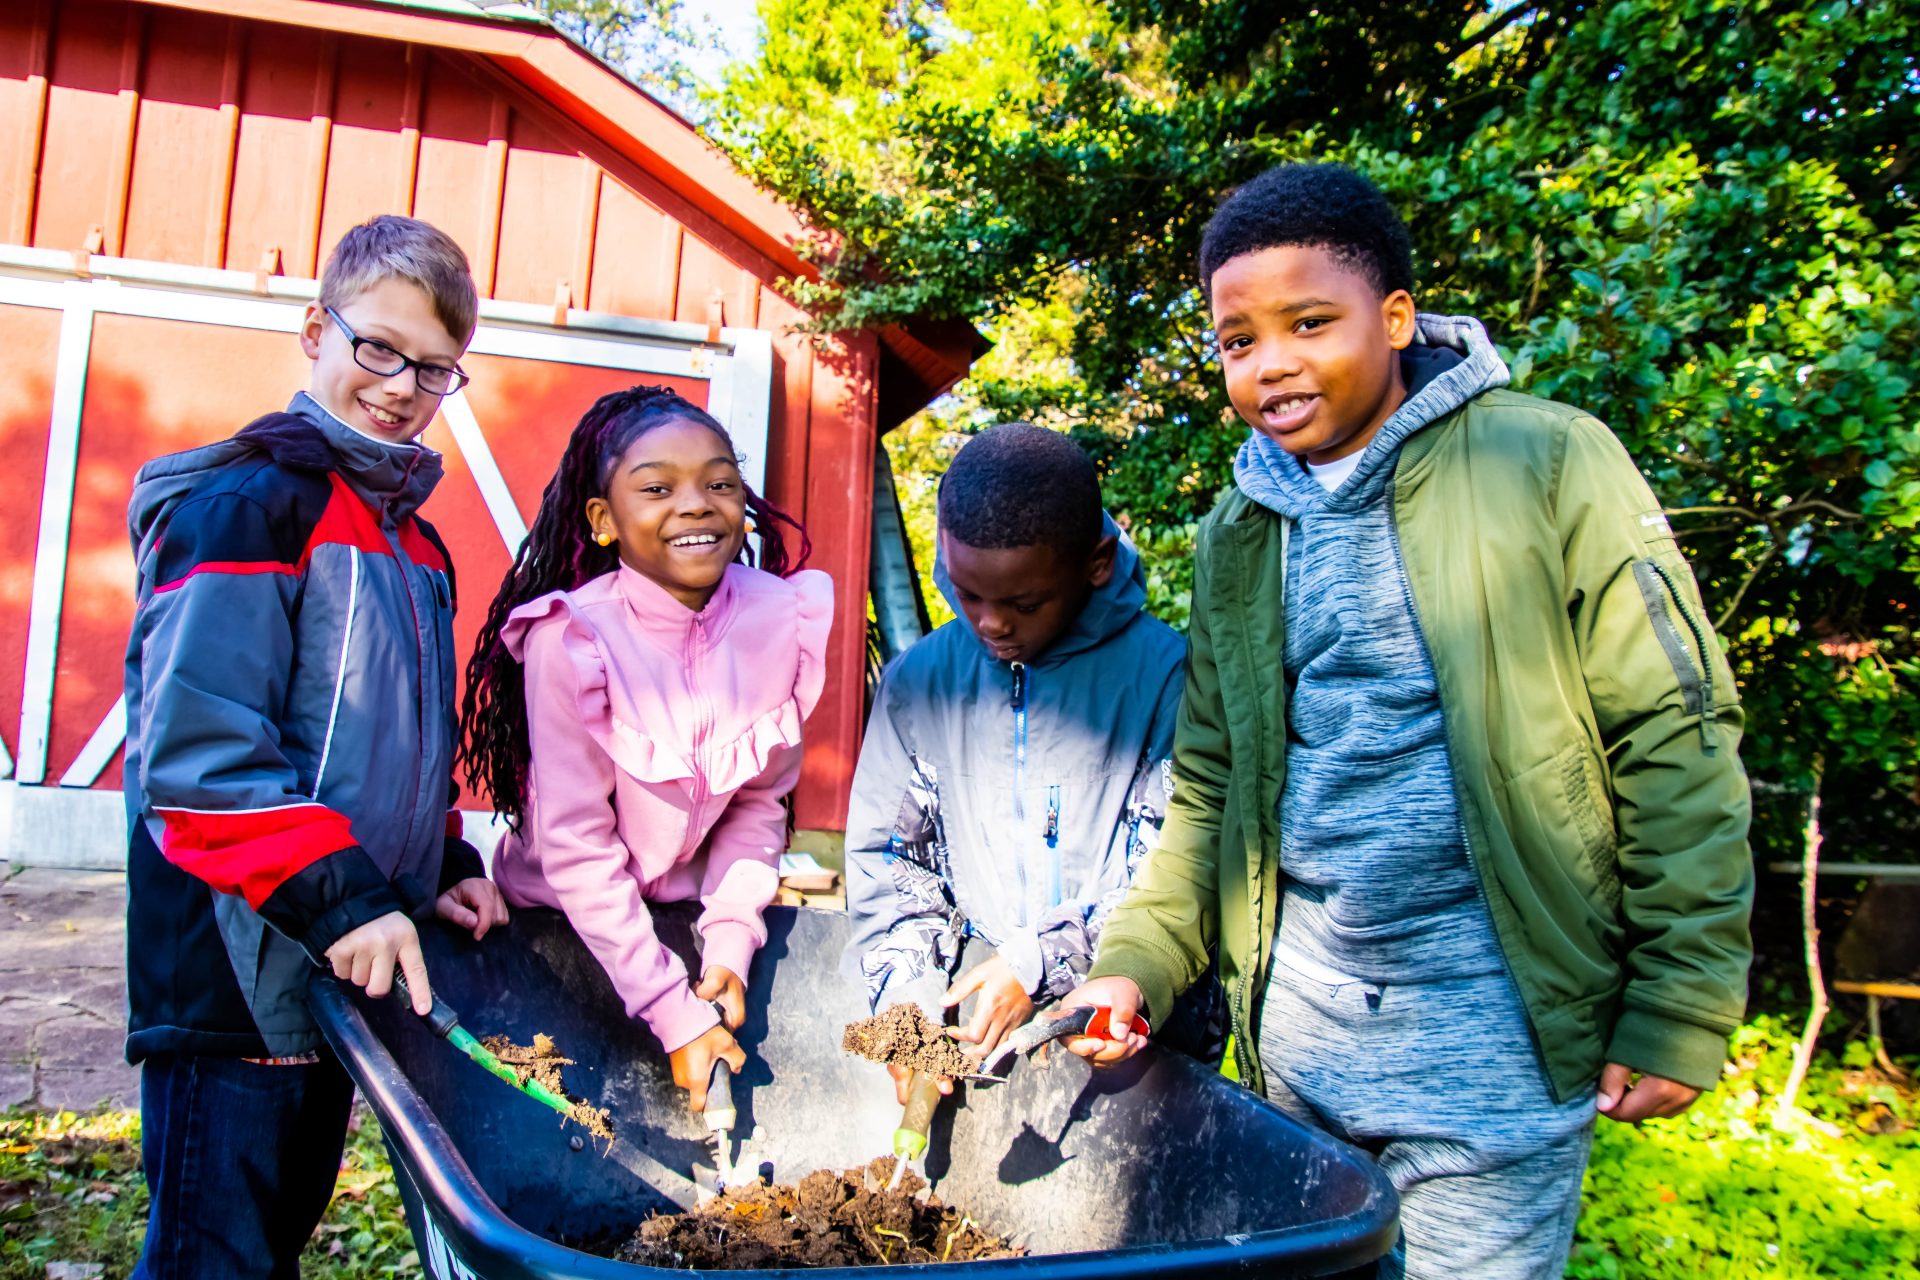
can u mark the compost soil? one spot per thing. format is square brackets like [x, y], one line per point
[541, 1062]
[903, 1037]
[826, 1219]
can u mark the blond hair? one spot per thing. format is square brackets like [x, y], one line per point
[391, 247]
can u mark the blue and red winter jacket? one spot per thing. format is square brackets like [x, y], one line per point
[290, 724]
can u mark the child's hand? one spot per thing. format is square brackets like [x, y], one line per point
[1122, 995]
[474, 903]
[1003, 1005]
[693, 1062]
[1649, 1098]
[723, 986]
[366, 956]
[903, 1076]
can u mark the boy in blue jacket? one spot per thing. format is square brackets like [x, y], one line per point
[1015, 764]
[290, 741]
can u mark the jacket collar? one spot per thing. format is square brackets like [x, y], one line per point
[394, 478]
[662, 616]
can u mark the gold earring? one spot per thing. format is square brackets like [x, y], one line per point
[604, 539]
[750, 526]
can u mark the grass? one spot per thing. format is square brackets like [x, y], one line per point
[71, 1191]
[1719, 1194]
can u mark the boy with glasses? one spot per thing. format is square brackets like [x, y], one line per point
[290, 741]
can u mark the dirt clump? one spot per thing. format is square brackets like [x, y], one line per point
[826, 1219]
[541, 1063]
[903, 1036]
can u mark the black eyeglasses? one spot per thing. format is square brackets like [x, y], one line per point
[376, 356]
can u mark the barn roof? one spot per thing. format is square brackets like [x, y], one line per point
[922, 358]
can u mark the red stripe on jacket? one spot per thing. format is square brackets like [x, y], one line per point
[230, 566]
[252, 854]
[346, 522]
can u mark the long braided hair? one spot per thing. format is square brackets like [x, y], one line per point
[559, 554]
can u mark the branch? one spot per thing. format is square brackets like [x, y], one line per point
[1491, 30]
[1785, 1115]
[1770, 517]
[1733, 605]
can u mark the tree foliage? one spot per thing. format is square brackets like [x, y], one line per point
[651, 42]
[1690, 217]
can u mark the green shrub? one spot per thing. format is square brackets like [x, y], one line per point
[1720, 1194]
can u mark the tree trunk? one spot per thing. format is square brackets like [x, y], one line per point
[1809, 873]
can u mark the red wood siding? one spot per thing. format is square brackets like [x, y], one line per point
[211, 140]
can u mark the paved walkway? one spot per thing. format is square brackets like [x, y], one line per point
[63, 990]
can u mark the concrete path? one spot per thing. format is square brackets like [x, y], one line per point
[63, 990]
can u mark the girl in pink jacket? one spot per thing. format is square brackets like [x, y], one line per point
[634, 704]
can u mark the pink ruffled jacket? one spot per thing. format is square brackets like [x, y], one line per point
[691, 723]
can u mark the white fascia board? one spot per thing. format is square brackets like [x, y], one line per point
[56, 265]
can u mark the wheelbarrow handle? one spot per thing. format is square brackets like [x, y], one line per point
[440, 1019]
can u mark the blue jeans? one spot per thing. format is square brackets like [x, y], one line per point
[240, 1161]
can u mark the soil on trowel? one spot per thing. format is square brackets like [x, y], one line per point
[903, 1037]
[541, 1063]
[826, 1219]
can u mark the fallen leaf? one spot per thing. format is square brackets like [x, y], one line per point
[76, 1270]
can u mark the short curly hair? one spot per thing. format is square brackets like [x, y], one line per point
[1321, 206]
[1018, 485]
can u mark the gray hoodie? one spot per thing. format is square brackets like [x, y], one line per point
[949, 834]
[1377, 881]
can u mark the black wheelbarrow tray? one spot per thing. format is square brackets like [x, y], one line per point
[1157, 1167]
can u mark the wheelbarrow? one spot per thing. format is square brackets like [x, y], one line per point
[1158, 1167]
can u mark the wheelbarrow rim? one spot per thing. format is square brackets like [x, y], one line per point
[483, 1235]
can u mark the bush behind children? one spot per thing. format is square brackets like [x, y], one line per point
[1476, 863]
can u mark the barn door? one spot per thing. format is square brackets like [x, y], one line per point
[113, 362]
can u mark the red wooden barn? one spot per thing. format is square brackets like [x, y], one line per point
[173, 173]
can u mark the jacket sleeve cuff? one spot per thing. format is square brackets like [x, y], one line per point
[1653, 1044]
[459, 861]
[330, 898]
[1121, 957]
[678, 1017]
[1021, 950]
[729, 944]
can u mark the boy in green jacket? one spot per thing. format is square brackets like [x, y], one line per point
[1457, 795]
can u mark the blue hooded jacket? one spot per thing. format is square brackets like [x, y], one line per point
[1011, 801]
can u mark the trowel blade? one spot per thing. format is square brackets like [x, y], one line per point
[706, 1181]
[675, 1186]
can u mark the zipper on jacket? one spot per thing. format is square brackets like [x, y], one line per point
[1683, 661]
[1053, 843]
[703, 717]
[1020, 777]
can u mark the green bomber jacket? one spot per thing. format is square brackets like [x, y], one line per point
[1593, 728]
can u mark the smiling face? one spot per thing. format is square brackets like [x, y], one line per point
[1311, 351]
[676, 508]
[400, 315]
[1019, 600]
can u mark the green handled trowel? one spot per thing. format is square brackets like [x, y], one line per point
[445, 1023]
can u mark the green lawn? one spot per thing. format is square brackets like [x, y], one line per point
[1719, 1194]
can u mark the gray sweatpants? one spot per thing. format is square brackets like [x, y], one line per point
[1441, 1081]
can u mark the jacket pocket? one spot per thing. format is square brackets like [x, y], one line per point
[1564, 831]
